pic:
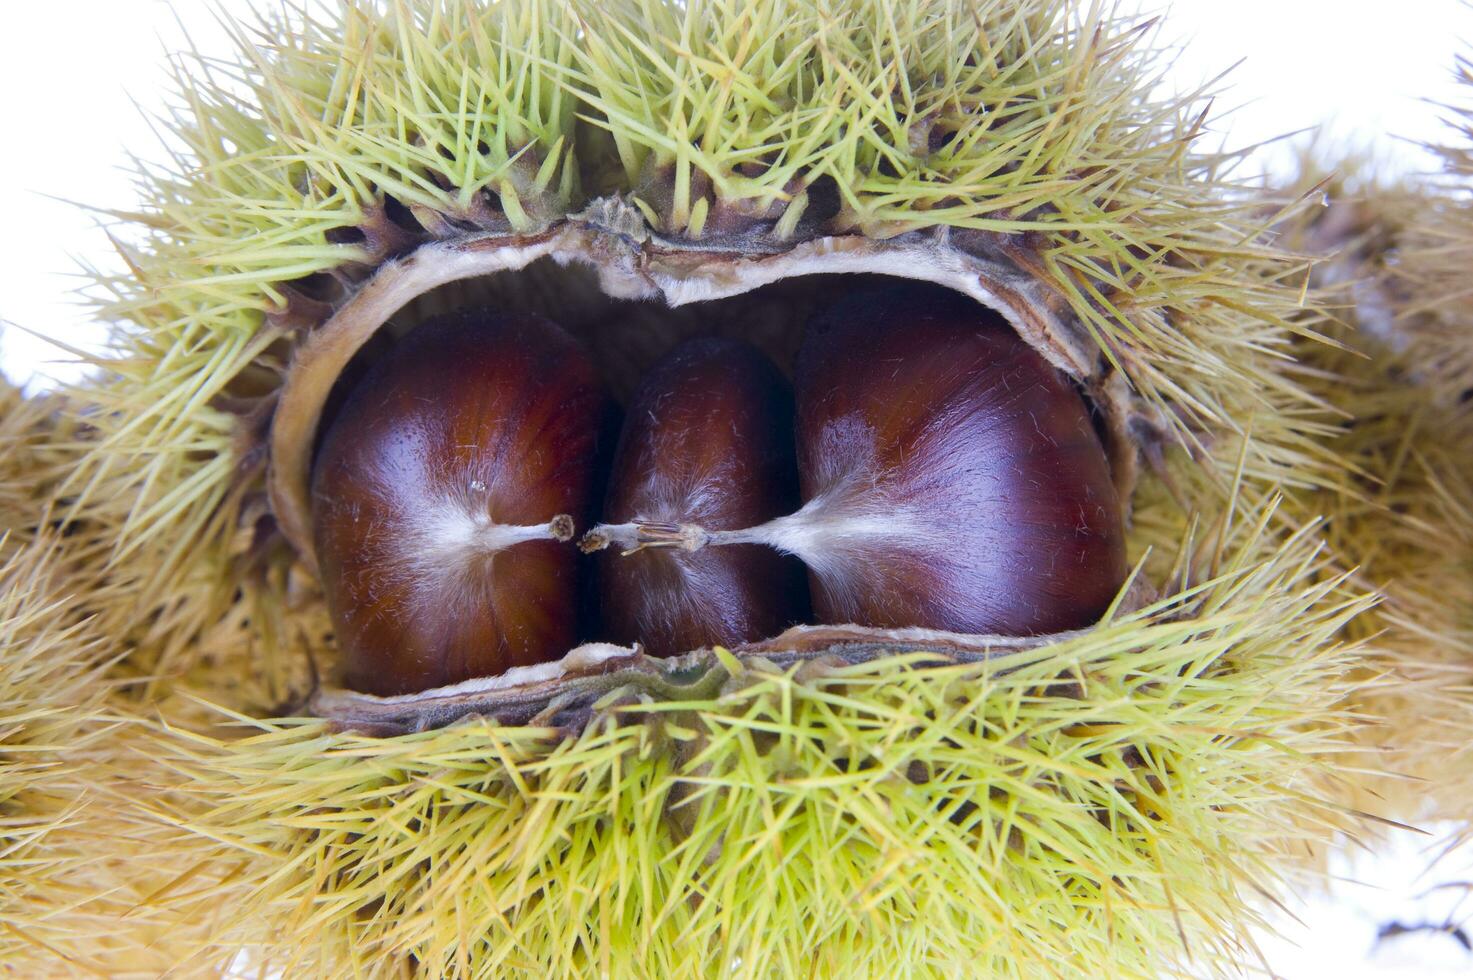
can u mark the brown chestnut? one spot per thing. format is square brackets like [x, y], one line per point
[952, 478]
[441, 496]
[708, 439]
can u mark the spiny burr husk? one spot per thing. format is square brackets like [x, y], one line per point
[67, 881]
[831, 802]
[1396, 253]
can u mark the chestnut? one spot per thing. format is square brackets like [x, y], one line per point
[707, 439]
[952, 477]
[443, 493]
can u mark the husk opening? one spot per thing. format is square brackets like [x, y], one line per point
[666, 276]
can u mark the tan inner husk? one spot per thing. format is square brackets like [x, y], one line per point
[630, 297]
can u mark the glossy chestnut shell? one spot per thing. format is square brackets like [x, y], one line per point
[707, 439]
[953, 478]
[443, 495]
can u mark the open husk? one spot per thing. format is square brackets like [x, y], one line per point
[829, 802]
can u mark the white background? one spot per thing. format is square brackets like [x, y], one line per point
[77, 79]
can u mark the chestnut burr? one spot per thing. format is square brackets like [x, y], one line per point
[708, 440]
[442, 498]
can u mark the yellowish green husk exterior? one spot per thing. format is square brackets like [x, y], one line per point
[1119, 801]
[1396, 257]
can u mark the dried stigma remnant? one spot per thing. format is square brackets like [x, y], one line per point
[442, 498]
